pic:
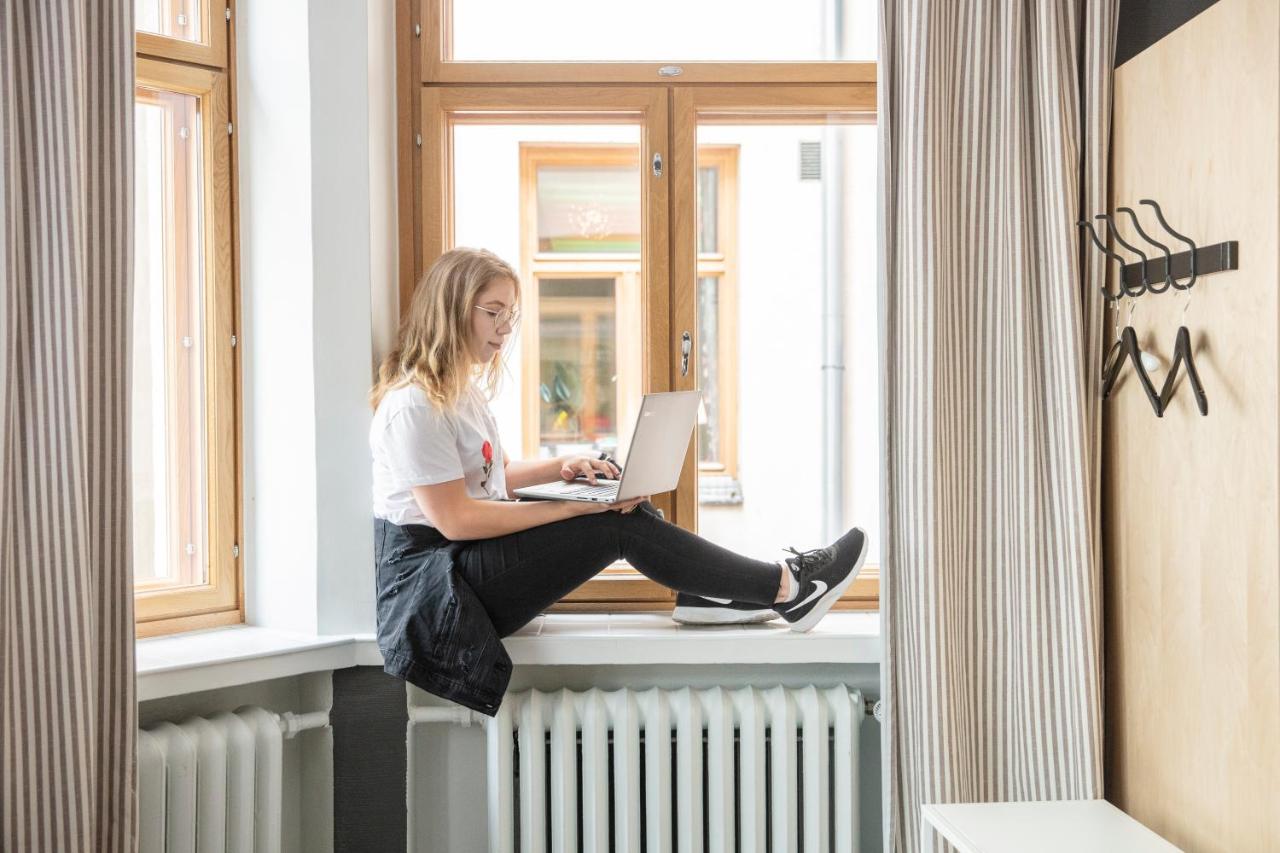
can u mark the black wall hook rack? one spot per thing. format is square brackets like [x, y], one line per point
[1157, 275]
[1163, 272]
[1219, 257]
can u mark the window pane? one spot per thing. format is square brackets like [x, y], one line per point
[167, 417]
[179, 19]
[578, 370]
[661, 30]
[562, 204]
[709, 370]
[708, 209]
[588, 209]
[775, 496]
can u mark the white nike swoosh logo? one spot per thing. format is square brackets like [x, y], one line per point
[718, 600]
[820, 588]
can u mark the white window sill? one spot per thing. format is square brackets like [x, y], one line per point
[222, 657]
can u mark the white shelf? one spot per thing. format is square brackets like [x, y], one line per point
[1062, 826]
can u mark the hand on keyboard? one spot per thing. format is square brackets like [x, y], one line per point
[580, 467]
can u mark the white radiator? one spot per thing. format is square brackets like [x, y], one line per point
[213, 785]
[682, 770]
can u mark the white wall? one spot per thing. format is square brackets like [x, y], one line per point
[383, 237]
[342, 342]
[306, 266]
[273, 112]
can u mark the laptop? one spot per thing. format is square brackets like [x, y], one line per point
[664, 426]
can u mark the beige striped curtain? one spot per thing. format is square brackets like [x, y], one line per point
[67, 713]
[994, 134]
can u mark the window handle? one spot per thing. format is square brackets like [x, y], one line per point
[686, 344]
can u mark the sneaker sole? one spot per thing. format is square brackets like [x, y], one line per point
[720, 616]
[814, 616]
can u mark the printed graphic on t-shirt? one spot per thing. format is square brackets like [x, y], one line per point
[487, 452]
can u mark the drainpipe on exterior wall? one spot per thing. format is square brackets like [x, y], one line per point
[832, 296]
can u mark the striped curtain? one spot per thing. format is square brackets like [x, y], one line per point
[67, 712]
[994, 134]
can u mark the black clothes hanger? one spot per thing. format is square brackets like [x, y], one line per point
[1182, 355]
[1129, 351]
[1125, 348]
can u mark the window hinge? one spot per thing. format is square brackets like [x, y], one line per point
[418, 140]
[228, 14]
[234, 341]
[229, 128]
[417, 31]
[235, 552]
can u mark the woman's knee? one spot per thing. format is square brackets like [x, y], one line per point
[648, 508]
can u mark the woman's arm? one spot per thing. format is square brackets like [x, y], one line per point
[521, 473]
[459, 516]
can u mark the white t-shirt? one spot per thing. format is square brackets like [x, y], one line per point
[415, 443]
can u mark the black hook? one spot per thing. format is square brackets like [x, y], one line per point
[1168, 259]
[1115, 232]
[1187, 240]
[1124, 291]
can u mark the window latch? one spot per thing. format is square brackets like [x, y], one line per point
[657, 165]
[686, 344]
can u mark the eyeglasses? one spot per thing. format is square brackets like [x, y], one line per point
[505, 317]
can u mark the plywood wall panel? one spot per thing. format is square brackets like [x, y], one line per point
[1191, 509]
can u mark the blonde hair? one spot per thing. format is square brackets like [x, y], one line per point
[431, 348]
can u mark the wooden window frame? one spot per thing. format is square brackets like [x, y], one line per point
[429, 85]
[168, 64]
[210, 52]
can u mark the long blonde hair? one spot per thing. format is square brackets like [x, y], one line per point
[431, 348]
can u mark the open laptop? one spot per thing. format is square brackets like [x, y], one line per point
[664, 426]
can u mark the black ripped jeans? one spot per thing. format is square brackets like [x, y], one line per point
[519, 575]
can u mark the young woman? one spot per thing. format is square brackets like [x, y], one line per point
[447, 533]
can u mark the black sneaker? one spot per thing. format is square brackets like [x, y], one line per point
[695, 610]
[824, 574]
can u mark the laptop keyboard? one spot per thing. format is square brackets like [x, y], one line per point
[594, 491]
